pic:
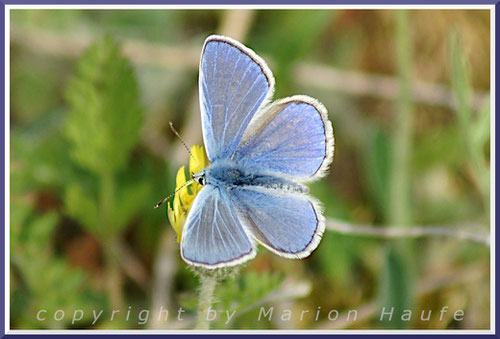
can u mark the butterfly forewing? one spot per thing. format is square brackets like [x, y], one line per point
[234, 82]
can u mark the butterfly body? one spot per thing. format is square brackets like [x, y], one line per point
[228, 175]
[260, 155]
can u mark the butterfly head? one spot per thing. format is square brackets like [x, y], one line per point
[199, 177]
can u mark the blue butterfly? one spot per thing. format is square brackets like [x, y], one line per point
[260, 155]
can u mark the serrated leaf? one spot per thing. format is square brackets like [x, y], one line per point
[81, 206]
[48, 280]
[19, 214]
[105, 115]
[41, 228]
[237, 293]
[241, 293]
[129, 202]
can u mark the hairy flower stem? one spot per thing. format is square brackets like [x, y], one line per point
[207, 289]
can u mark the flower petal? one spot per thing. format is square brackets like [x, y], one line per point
[197, 161]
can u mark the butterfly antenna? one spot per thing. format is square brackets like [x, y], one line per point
[183, 143]
[161, 202]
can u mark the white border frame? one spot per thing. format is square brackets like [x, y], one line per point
[8, 8]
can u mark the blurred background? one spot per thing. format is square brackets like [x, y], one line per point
[91, 152]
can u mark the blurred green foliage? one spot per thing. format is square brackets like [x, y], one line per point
[91, 153]
[103, 125]
[296, 41]
[105, 117]
[41, 279]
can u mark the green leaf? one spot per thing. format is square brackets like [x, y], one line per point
[81, 206]
[30, 233]
[47, 281]
[130, 200]
[460, 81]
[41, 229]
[481, 128]
[242, 294]
[105, 115]
[396, 288]
[19, 214]
[466, 120]
[376, 164]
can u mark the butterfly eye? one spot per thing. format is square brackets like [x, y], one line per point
[201, 180]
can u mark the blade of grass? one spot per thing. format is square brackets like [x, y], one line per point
[468, 124]
[396, 284]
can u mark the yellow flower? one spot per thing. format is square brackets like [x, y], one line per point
[198, 161]
[183, 198]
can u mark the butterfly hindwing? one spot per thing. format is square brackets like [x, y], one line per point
[213, 235]
[290, 225]
[234, 83]
[293, 136]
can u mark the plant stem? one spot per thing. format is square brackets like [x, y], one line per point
[163, 278]
[399, 211]
[108, 241]
[470, 233]
[205, 301]
[113, 278]
[107, 196]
